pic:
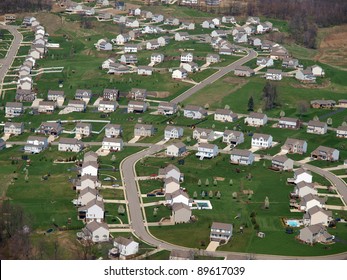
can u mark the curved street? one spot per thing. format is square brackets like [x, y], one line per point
[11, 53]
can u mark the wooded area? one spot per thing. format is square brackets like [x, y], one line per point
[18, 6]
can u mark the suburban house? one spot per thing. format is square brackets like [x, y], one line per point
[70, 145]
[126, 247]
[25, 83]
[187, 57]
[326, 153]
[87, 181]
[13, 109]
[317, 71]
[308, 201]
[137, 106]
[206, 150]
[89, 168]
[145, 70]
[146, 14]
[212, 58]
[305, 76]
[256, 42]
[163, 40]
[243, 157]
[188, 25]
[317, 215]
[221, 232]
[265, 61]
[225, 115]
[291, 123]
[90, 156]
[181, 36]
[35, 144]
[179, 74]
[96, 232]
[171, 171]
[119, 69]
[181, 213]
[232, 137]
[263, 141]
[302, 175]
[256, 119]
[290, 63]
[282, 162]
[295, 146]
[138, 94]
[302, 189]
[178, 196]
[76, 106]
[157, 18]
[176, 149]
[56, 95]
[167, 108]
[152, 45]
[103, 45]
[342, 103]
[25, 95]
[46, 107]
[273, 74]
[112, 144]
[219, 33]
[228, 19]
[132, 23]
[240, 38]
[315, 234]
[86, 195]
[110, 94]
[171, 185]
[121, 39]
[93, 211]
[113, 130]
[83, 129]
[107, 106]
[172, 21]
[13, 128]
[243, 71]
[128, 59]
[107, 62]
[326, 104]
[203, 134]
[253, 20]
[317, 127]
[50, 128]
[208, 24]
[143, 130]
[264, 27]
[173, 132]
[341, 131]
[278, 52]
[157, 58]
[194, 112]
[181, 255]
[190, 67]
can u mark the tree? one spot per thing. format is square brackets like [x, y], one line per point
[270, 96]
[210, 194]
[234, 195]
[195, 195]
[260, 110]
[330, 121]
[113, 158]
[230, 182]
[207, 182]
[213, 125]
[316, 118]
[302, 107]
[282, 114]
[199, 183]
[226, 107]
[203, 194]
[188, 139]
[344, 123]
[121, 209]
[215, 182]
[218, 195]
[250, 105]
[207, 106]
[266, 203]
[155, 211]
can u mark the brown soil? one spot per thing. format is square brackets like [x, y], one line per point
[333, 46]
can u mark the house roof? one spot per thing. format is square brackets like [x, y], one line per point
[56, 92]
[274, 71]
[256, 115]
[76, 102]
[201, 130]
[234, 132]
[239, 152]
[91, 154]
[293, 141]
[315, 228]
[176, 194]
[112, 140]
[93, 226]
[301, 171]
[144, 126]
[170, 180]
[286, 119]
[113, 125]
[89, 177]
[280, 158]
[310, 197]
[90, 163]
[89, 190]
[170, 167]
[54, 125]
[72, 141]
[167, 104]
[14, 104]
[207, 146]
[137, 103]
[342, 127]
[261, 135]
[111, 91]
[323, 102]
[123, 241]
[179, 145]
[317, 209]
[38, 138]
[222, 226]
[108, 102]
[15, 124]
[303, 184]
[194, 108]
[80, 124]
[47, 103]
[90, 204]
[179, 206]
[324, 149]
[171, 127]
[223, 112]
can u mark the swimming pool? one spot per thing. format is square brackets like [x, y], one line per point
[293, 223]
[201, 204]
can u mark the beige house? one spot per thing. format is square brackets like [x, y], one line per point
[315, 234]
[317, 215]
[256, 119]
[225, 115]
[317, 127]
[87, 195]
[83, 129]
[70, 145]
[181, 213]
[171, 185]
[176, 149]
[282, 162]
[13, 128]
[96, 232]
[143, 130]
[87, 181]
[303, 188]
[90, 156]
[295, 146]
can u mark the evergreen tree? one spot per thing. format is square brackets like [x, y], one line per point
[250, 104]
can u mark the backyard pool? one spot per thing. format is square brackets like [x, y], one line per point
[201, 204]
[293, 223]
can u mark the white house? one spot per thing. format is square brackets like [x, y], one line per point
[176, 149]
[171, 171]
[103, 45]
[126, 247]
[187, 57]
[194, 112]
[46, 107]
[295, 146]
[292, 123]
[89, 168]
[309, 201]
[167, 108]
[56, 95]
[173, 132]
[152, 45]
[302, 175]
[112, 144]
[317, 71]
[137, 106]
[243, 157]
[178, 196]
[131, 48]
[13, 128]
[179, 74]
[143, 130]
[263, 141]
[317, 215]
[208, 24]
[326, 153]
[35, 144]
[256, 119]
[107, 106]
[232, 137]
[145, 70]
[225, 115]
[132, 23]
[341, 131]
[228, 19]
[317, 127]
[93, 211]
[212, 58]
[221, 232]
[113, 130]
[87, 181]
[273, 74]
[76, 106]
[303, 188]
[188, 25]
[70, 145]
[96, 232]
[13, 109]
[203, 134]
[206, 150]
[83, 129]
[157, 58]
[282, 162]
[121, 39]
[181, 36]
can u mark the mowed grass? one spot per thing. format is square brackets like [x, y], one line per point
[263, 183]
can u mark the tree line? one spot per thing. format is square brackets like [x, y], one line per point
[18, 6]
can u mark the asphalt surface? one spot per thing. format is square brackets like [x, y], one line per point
[11, 53]
[211, 79]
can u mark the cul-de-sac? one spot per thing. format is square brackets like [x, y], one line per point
[173, 129]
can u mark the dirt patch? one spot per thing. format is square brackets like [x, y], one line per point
[326, 83]
[50, 21]
[333, 46]
[159, 94]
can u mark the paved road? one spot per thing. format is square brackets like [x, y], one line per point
[211, 79]
[12, 52]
